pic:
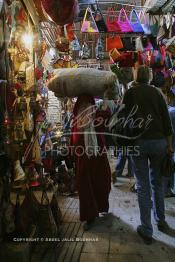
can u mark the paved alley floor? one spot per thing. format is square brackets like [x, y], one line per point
[113, 237]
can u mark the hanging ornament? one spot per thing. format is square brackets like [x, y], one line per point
[7, 120]
[62, 44]
[38, 73]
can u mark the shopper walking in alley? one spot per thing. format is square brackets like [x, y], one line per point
[169, 183]
[93, 175]
[155, 142]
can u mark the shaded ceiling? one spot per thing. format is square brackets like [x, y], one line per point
[161, 6]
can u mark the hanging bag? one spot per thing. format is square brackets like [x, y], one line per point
[99, 49]
[170, 46]
[61, 12]
[163, 32]
[128, 43]
[111, 21]
[139, 45]
[75, 45]
[100, 22]
[89, 24]
[69, 33]
[123, 22]
[144, 23]
[114, 54]
[135, 22]
[154, 26]
[113, 42]
[86, 52]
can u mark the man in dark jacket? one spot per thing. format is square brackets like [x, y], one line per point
[150, 117]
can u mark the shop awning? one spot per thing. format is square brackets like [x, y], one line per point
[160, 6]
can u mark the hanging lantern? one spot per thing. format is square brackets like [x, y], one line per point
[17, 86]
[7, 120]
[62, 44]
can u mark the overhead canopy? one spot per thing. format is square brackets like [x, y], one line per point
[161, 6]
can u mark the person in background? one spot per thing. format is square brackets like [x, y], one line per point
[121, 158]
[121, 162]
[92, 170]
[154, 143]
[68, 116]
[46, 140]
[169, 183]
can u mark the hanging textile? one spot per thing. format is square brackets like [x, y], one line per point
[89, 24]
[61, 12]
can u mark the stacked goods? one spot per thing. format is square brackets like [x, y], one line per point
[78, 81]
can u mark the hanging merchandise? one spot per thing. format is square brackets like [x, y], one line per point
[143, 59]
[62, 44]
[4, 40]
[168, 62]
[2, 51]
[69, 33]
[18, 18]
[87, 2]
[111, 21]
[124, 23]
[139, 45]
[146, 44]
[170, 46]
[113, 42]
[154, 26]
[153, 41]
[163, 32]
[39, 72]
[127, 59]
[41, 117]
[36, 152]
[89, 24]
[85, 53]
[1, 5]
[169, 21]
[173, 28]
[128, 44]
[157, 59]
[135, 22]
[28, 118]
[40, 10]
[99, 49]
[61, 12]
[18, 171]
[19, 132]
[114, 54]
[75, 45]
[42, 49]
[100, 22]
[144, 23]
